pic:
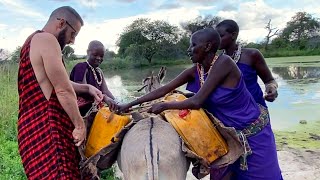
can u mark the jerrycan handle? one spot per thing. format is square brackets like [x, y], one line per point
[183, 113]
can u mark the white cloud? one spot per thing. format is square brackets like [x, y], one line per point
[252, 18]
[18, 7]
[108, 31]
[16, 39]
[89, 3]
[3, 26]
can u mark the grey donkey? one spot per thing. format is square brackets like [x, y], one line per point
[152, 149]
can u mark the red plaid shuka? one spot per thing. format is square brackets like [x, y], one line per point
[44, 129]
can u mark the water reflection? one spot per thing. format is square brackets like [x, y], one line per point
[125, 83]
[298, 72]
[299, 89]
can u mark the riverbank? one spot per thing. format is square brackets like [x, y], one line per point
[298, 147]
[298, 153]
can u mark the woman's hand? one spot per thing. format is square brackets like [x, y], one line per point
[124, 107]
[112, 104]
[158, 108]
[271, 92]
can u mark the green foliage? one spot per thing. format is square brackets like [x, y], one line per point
[10, 162]
[144, 39]
[290, 52]
[109, 174]
[200, 23]
[109, 54]
[68, 53]
[4, 54]
[15, 56]
[301, 28]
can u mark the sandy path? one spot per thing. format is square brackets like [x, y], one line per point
[295, 165]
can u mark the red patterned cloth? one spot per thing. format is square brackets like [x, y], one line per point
[44, 129]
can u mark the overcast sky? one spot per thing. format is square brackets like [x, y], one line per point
[105, 19]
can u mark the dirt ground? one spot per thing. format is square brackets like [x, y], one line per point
[295, 165]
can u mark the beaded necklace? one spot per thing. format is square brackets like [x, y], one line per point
[200, 70]
[236, 55]
[95, 74]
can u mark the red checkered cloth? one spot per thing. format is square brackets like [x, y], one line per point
[44, 129]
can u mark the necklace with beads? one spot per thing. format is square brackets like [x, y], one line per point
[200, 70]
[236, 54]
[99, 82]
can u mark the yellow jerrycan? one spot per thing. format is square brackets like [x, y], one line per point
[104, 127]
[196, 130]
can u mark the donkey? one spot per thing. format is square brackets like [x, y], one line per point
[152, 149]
[153, 82]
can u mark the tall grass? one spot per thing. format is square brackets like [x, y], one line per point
[10, 163]
[289, 53]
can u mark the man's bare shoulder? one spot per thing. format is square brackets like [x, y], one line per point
[44, 40]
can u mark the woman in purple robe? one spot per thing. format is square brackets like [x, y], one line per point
[89, 73]
[220, 88]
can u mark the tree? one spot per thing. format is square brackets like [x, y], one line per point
[109, 54]
[4, 54]
[15, 56]
[200, 23]
[68, 53]
[130, 37]
[271, 32]
[148, 37]
[301, 27]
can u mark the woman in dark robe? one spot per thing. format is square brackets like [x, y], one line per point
[89, 73]
[219, 87]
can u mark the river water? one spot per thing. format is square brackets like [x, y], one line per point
[298, 79]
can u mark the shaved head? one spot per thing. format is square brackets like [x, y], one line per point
[208, 35]
[95, 44]
[67, 13]
[95, 53]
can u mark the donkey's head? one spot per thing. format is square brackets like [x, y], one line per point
[153, 82]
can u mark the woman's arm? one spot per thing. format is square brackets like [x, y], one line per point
[220, 74]
[181, 79]
[265, 74]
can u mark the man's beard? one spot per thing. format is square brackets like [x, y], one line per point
[62, 38]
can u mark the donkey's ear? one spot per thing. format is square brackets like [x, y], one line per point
[162, 73]
[145, 79]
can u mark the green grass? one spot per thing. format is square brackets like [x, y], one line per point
[312, 61]
[288, 53]
[302, 136]
[10, 162]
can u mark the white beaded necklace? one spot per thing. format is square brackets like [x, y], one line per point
[95, 74]
[200, 70]
[236, 55]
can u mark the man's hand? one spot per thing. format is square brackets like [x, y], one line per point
[96, 93]
[79, 133]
